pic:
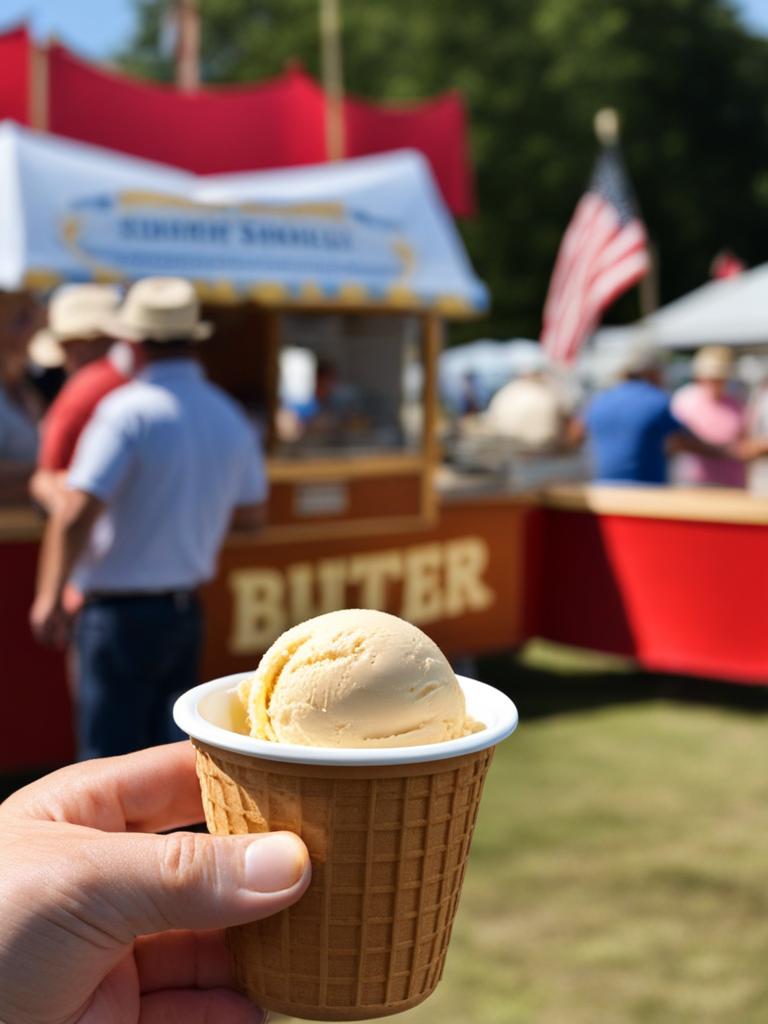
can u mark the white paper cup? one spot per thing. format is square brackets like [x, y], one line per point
[388, 832]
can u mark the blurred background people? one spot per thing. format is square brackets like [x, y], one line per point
[707, 409]
[631, 429]
[471, 397]
[20, 406]
[757, 425]
[335, 415]
[45, 366]
[529, 410]
[95, 365]
[165, 466]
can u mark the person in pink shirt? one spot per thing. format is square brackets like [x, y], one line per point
[709, 412]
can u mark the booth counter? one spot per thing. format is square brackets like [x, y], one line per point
[674, 578]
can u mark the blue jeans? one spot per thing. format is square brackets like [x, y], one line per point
[135, 655]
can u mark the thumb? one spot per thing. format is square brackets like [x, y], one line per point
[136, 884]
[180, 1007]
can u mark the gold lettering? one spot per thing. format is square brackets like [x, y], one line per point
[301, 591]
[466, 559]
[422, 590]
[372, 572]
[259, 609]
[332, 581]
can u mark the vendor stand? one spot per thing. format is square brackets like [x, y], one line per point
[356, 265]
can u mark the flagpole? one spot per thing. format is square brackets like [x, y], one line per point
[332, 70]
[608, 131]
[187, 15]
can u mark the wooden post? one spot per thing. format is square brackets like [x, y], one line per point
[332, 77]
[187, 45]
[648, 286]
[38, 107]
[433, 343]
[271, 325]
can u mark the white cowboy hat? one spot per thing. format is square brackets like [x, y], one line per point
[159, 309]
[713, 362]
[45, 350]
[76, 311]
[642, 356]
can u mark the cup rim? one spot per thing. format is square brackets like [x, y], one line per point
[485, 703]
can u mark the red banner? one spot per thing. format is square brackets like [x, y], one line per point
[15, 76]
[437, 128]
[276, 124]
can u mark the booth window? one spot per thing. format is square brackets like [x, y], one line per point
[349, 382]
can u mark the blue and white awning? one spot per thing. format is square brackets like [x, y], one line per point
[370, 232]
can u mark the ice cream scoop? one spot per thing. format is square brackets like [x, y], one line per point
[354, 678]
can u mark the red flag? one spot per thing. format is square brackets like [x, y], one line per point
[726, 264]
[604, 252]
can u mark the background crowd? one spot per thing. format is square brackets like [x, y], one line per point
[141, 467]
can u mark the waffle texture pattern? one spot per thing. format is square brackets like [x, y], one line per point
[388, 846]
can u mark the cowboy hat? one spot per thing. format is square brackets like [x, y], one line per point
[159, 309]
[76, 311]
[713, 362]
[45, 350]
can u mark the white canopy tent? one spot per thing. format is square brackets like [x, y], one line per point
[491, 362]
[729, 312]
[371, 232]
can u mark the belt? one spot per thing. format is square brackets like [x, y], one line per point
[181, 598]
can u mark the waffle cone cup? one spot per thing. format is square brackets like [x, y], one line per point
[388, 843]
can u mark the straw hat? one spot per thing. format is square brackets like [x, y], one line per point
[713, 362]
[159, 309]
[641, 357]
[45, 351]
[76, 311]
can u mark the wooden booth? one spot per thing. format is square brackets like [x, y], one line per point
[329, 288]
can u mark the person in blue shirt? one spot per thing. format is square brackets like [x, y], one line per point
[630, 428]
[166, 466]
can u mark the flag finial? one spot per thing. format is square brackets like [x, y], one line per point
[607, 126]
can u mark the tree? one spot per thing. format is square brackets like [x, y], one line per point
[689, 80]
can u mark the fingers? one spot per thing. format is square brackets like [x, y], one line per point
[133, 885]
[218, 1005]
[183, 960]
[149, 791]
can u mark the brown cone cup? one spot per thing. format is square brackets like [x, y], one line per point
[388, 845]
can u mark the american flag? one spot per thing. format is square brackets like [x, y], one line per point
[604, 252]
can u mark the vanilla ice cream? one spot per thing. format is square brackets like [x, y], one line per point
[355, 678]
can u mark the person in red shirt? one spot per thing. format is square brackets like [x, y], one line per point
[96, 366]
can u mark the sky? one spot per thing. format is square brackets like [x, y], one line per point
[97, 28]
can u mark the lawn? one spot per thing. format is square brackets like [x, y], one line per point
[619, 871]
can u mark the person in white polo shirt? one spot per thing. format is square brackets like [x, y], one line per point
[166, 465]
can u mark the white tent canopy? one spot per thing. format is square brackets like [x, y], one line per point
[366, 232]
[730, 312]
[492, 362]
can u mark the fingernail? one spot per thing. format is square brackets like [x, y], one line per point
[274, 862]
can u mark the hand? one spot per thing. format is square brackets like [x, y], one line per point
[103, 923]
[748, 448]
[51, 623]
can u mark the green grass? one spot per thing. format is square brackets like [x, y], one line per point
[619, 871]
[618, 874]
